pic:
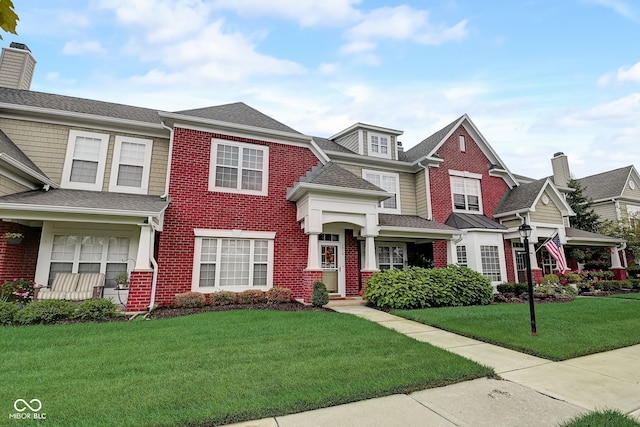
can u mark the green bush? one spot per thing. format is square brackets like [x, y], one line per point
[555, 291]
[45, 311]
[573, 278]
[278, 295]
[223, 298]
[96, 309]
[516, 289]
[320, 296]
[437, 287]
[635, 283]
[550, 279]
[252, 296]
[609, 285]
[633, 272]
[8, 311]
[190, 300]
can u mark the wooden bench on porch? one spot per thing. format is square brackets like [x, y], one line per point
[74, 287]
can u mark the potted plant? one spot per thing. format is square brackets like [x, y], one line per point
[122, 281]
[13, 238]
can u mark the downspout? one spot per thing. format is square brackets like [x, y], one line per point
[427, 185]
[168, 175]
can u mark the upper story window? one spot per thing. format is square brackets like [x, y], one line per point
[131, 164]
[85, 160]
[389, 182]
[379, 145]
[466, 194]
[239, 167]
[462, 143]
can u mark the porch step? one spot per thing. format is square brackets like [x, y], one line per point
[349, 301]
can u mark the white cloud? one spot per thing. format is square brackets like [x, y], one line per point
[621, 7]
[75, 47]
[623, 75]
[328, 69]
[305, 12]
[401, 23]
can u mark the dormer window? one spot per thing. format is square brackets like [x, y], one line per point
[379, 145]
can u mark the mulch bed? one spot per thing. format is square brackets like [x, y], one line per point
[170, 312]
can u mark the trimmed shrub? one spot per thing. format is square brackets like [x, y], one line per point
[635, 283]
[96, 309]
[550, 279]
[573, 278]
[633, 272]
[554, 291]
[278, 295]
[252, 296]
[45, 311]
[320, 296]
[223, 298]
[437, 287]
[190, 300]
[514, 289]
[8, 311]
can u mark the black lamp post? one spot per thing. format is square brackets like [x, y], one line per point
[525, 232]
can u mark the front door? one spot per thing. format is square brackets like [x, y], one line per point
[331, 262]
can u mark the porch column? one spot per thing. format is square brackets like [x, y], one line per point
[369, 254]
[313, 256]
[144, 248]
[452, 253]
[536, 271]
[615, 258]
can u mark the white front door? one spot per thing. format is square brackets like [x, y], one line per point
[331, 262]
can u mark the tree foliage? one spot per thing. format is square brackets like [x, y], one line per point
[627, 230]
[8, 18]
[586, 219]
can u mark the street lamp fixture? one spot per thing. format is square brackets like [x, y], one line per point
[525, 233]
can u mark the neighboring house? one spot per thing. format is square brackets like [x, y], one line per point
[615, 194]
[227, 198]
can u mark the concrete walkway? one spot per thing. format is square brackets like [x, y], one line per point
[533, 392]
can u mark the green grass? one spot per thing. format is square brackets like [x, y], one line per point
[565, 330]
[213, 368]
[635, 295]
[608, 418]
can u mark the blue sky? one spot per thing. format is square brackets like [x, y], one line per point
[535, 76]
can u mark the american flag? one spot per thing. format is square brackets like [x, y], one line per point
[554, 247]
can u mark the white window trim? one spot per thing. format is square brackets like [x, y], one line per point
[68, 161]
[144, 186]
[392, 245]
[230, 234]
[240, 145]
[462, 143]
[378, 154]
[382, 209]
[471, 176]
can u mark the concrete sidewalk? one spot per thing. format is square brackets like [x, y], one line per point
[533, 392]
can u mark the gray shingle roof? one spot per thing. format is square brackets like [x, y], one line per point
[575, 234]
[87, 201]
[429, 144]
[333, 175]
[8, 147]
[411, 221]
[606, 184]
[329, 145]
[464, 221]
[520, 197]
[239, 113]
[71, 104]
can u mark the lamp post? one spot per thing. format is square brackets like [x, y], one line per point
[525, 232]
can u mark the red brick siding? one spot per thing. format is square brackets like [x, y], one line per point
[140, 283]
[440, 253]
[308, 278]
[193, 206]
[508, 254]
[19, 261]
[352, 264]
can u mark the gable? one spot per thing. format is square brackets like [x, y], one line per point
[631, 188]
[546, 210]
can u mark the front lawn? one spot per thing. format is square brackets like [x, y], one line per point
[213, 368]
[565, 330]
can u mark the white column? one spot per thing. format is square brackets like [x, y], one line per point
[532, 255]
[144, 248]
[370, 254]
[452, 253]
[313, 256]
[615, 258]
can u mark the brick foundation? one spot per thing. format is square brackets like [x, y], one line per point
[139, 290]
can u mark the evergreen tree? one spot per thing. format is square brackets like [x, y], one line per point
[586, 219]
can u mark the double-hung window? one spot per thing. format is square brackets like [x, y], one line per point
[391, 257]
[85, 160]
[490, 258]
[466, 194]
[461, 253]
[389, 182]
[239, 167]
[232, 260]
[379, 145]
[130, 167]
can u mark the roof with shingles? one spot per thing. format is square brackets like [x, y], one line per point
[329, 145]
[239, 113]
[331, 174]
[520, 197]
[464, 221]
[8, 147]
[574, 234]
[411, 221]
[426, 146]
[606, 184]
[71, 104]
[87, 200]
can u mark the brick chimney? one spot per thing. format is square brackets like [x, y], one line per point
[16, 66]
[560, 167]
